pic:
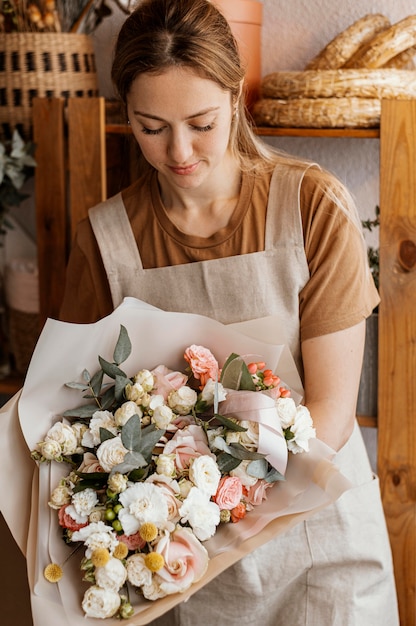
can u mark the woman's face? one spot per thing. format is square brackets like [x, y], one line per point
[182, 124]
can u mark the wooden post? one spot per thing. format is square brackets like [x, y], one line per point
[397, 343]
[50, 200]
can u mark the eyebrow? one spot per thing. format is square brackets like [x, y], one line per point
[190, 117]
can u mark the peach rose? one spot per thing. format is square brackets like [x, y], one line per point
[229, 492]
[166, 380]
[256, 494]
[238, 512]
[186, 560]
[187, 444]
[203, 363]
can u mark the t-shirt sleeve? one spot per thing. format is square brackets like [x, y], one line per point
[341, 290]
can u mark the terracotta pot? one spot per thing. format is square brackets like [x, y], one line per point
[245, 19]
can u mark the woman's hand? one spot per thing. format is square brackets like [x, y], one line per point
[332, 369]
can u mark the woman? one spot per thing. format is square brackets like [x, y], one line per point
[219, 224]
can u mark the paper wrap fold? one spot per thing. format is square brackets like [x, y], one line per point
[62, 353]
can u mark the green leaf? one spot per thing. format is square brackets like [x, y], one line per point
[132, 461]
[97, 382]
[123, 346]
[150, 437]
[235, 374]
[226, 463]
[274, 475]
[258, 468]
[107, 400]
[131, 433]
[87, 410]
[111, 369]
[106, 434]
[79, 386]
[240, 452]
[121, 382]
[229, 424]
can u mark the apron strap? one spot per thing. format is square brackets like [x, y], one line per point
[117, 245]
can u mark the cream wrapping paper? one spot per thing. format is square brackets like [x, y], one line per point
[62, 353]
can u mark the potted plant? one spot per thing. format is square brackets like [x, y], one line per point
[368, 391]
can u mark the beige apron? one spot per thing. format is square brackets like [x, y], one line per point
[334, 569]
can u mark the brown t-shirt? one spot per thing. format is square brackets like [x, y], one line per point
[339, 294]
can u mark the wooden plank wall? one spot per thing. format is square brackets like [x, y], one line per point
[397, 343]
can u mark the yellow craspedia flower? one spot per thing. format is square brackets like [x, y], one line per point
[148, 531]
[100, 557]
[120, 551]
[154, 561]
[53, 572]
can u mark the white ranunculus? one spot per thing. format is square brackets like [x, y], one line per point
[302, 430]
[79, 429]
[100, 419]
[183, 400]
[204, 473]
[142, 502]
[112, 575]
[212, 434]
[126, 411]
[111, 453]
[100, 603]
[137, 572]
[165, 464]
[134, 392]
[250, 438]
[208, 392]
[286, 409]
[60, 495]
[145, 379]
[202, 514]
[96, 535]
[162, 416]
[65, 436]
[153, 591]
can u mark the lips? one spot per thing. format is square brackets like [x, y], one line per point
[184, 171]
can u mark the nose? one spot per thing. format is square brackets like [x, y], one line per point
[180, 147]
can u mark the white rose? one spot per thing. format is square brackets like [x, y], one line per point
[212, 434]
[302, 430]
[286, 409]
[165, 464]
[142, 502]
[185, 487]
[202, 514]
[117, 483]
[208, 392]
[61, 495]
[65, 436]
[100, 419]
[100, 603]
[50, 450]
[154, 591]
[111, 453]
[241, 472]
[134, 392]
[204, 473]
[250, 438]
[126, 411]
[183, 400]
[145, 379]
[162, 416]
[112, 575]
[137, 572]
[79, 429]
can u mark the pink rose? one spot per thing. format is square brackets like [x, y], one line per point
[167, 380]
[187, 444]
[256, 493]
[203, 363]
[186, 560]
[229, 492]
[90, 464]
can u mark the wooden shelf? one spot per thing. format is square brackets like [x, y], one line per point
[359, 133]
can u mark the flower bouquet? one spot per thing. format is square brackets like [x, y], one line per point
[171, 468]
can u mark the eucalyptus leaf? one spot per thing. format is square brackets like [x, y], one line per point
[274, 475]
[132, 461]
[240, 452]
[235, 374]
[97, 382]
[229, 424]
[226, 463]
[120, 385]
[139, 474]
[106, 434]
[108, 398]
[123, 346]
[79, 386]
[150, 437]
[111, 369]
[131, 433]
[86, 376]
[258, 468]
[99, 477]
[87, 410]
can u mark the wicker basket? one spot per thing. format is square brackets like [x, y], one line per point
[42, 65]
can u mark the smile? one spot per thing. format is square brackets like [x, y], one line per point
[184, 171]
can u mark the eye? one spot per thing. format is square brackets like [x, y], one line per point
[203, 129]
[150, 131]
